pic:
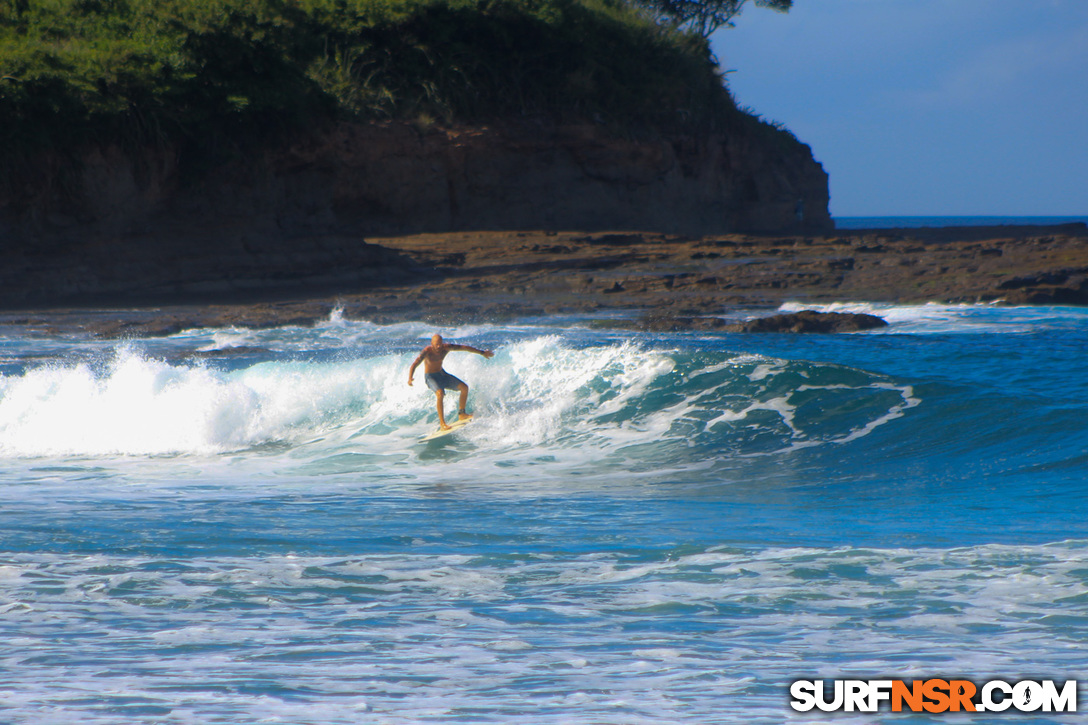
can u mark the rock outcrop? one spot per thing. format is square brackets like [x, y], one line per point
[803, 321]
[1057, 287]
[130, 224]
[811, 321]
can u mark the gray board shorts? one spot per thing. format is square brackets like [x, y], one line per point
[442, 379]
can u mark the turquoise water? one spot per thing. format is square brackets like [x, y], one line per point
[635, 529]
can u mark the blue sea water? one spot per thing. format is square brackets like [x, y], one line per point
[636, 528]
[900, 222]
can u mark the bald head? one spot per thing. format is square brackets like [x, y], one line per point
[436, 339]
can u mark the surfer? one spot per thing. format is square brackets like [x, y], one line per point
[438, 379]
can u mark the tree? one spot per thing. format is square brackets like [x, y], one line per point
[705, 16]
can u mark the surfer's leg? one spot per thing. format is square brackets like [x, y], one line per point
[439, 395]
[461, 414]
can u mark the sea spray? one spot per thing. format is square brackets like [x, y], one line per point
[139, 406]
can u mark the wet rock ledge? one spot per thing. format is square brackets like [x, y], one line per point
[803, 321]
[640, 280]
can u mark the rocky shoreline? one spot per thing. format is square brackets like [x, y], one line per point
[114, 225]
[649, 281]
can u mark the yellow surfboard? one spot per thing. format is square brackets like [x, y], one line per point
[454, 427]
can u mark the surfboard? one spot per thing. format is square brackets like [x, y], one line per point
[454, 427]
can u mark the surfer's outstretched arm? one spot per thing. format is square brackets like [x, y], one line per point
[470, 348]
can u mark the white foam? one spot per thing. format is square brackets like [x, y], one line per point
[539, 400]
[713, 635]
[140, 406]
[937, 318]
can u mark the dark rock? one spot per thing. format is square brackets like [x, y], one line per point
[451, 260]
[805, 321]
[1054, 277]
[113, 329]
[616, 240]
[1046, 296]
[115, 223]
[667, 323]
[811, 321]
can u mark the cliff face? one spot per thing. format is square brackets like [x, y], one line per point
[398, 180]
[124, 224]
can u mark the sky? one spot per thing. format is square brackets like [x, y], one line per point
[926, 107]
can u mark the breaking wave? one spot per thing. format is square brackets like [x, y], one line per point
[541, 394]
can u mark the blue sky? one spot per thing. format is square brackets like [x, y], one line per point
[926, 107]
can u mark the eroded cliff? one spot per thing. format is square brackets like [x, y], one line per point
[117, 224]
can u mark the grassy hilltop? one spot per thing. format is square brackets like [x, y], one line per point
[177, 71]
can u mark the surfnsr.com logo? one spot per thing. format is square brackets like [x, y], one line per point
[934, 695]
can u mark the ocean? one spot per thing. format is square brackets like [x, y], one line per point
[242, 526]
[906, 222]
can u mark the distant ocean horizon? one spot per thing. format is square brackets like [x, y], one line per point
[885, 222]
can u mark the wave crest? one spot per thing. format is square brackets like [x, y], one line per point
[606, 402]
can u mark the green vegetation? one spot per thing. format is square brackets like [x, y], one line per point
[178, 71]
[705, 16]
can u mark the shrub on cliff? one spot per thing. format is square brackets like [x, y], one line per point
[705, 16]
[77, 71]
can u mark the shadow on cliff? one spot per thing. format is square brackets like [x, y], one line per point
[121, 225]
